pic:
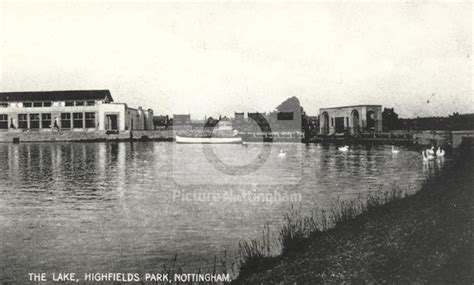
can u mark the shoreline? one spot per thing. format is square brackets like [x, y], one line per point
[84, 136]
[423, 238]
[451, 139]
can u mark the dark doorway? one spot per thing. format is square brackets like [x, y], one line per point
[325, 124]
[112, 122]
[339, 125]
[371, 121]
[355, 122]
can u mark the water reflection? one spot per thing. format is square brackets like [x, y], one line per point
[110, 206]
[433, 167]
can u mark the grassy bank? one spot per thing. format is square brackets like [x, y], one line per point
[424, 238]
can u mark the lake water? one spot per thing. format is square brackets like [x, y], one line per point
[122, 207]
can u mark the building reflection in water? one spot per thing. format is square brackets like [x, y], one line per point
[120, 158]
[67, 170]
[101, 160]
[13, 162]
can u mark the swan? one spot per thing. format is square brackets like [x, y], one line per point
[430, 151]
[426, 155]
[395, 150]
[343, 148]
[440, 152]
[431, 155]
[282, 153]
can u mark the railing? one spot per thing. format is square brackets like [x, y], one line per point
[388, 135]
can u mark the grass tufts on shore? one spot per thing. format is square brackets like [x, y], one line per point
[297, 229]
[397, 236]
[255, 254]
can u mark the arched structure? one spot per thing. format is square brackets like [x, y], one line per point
[350, 119]
[325, 123]
[355, 129]
[371, 119]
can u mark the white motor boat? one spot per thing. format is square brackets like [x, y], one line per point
[221, 134]
[208, 140]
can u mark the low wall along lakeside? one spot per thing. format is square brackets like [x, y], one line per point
[65, 136]
[459, 136]
[429, 137]
[455, 138]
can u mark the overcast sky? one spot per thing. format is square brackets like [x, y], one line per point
[209, 58]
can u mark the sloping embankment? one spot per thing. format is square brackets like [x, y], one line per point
[425, 238]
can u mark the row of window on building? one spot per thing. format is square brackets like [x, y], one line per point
[45, 121]
[49, 103]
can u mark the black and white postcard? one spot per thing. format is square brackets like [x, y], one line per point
[236, 142]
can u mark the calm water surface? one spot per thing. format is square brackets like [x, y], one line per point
[121, 207]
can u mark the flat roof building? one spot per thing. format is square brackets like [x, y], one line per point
[74, 110]
[239, 116]
[182, 122]
[181, 119]
[350, 119]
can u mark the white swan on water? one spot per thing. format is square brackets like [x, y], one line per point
[282, 153]
[343, 148]
[426, 155]
[430, 151]
[440, 152]
[395, 150]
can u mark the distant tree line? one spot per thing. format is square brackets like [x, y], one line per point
[456, 121]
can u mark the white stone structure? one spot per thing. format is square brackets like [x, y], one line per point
[88, 110]
[350, 119]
